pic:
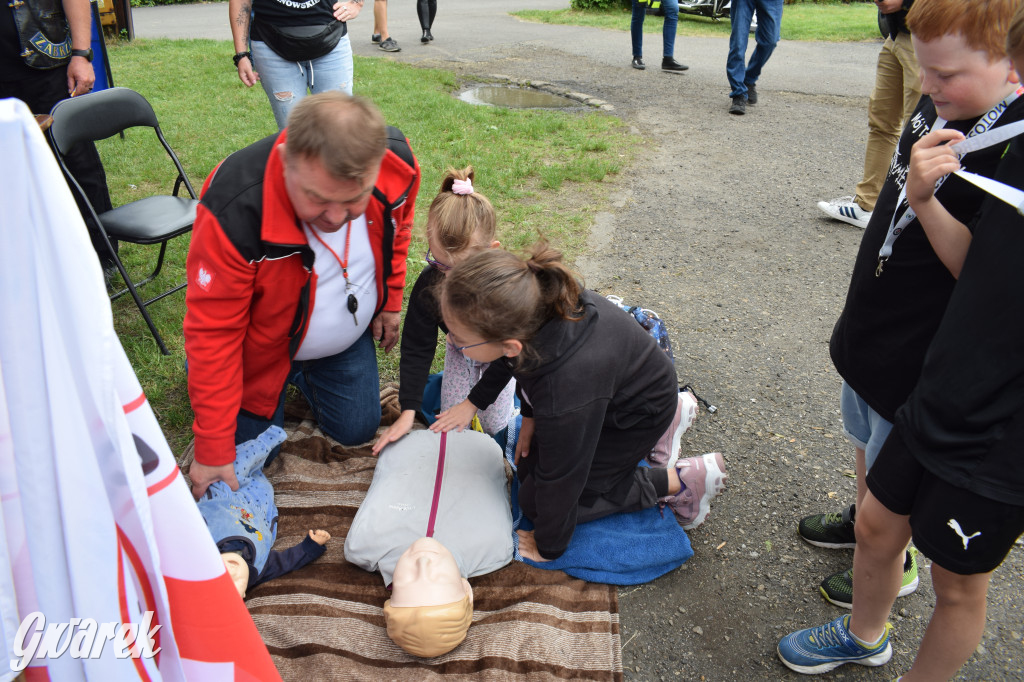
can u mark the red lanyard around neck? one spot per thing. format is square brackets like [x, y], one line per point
[351, 301]
[348, 241]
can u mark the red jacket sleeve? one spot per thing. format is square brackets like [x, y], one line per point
[403, 216]
[218, 298]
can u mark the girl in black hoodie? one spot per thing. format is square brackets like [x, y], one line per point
[597, 393]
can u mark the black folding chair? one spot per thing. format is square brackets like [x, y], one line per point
[150, 220]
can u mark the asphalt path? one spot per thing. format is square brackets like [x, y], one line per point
[715, 227]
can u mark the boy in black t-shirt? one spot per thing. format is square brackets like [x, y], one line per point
[936, 478]
[900, 286]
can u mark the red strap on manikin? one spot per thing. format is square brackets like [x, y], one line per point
[437, 486]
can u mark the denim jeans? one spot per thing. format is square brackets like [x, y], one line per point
[769, 19]
[668, 32]
[343, 391]
[286, 82]
[249, 426]
[863, 427]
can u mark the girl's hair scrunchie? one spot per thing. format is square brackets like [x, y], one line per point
[462, 187]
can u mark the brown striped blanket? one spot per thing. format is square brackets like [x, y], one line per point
[325, 621]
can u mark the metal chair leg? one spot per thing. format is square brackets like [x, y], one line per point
[141, 306]
[150, 278]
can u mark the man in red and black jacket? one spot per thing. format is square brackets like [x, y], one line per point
[296, 267]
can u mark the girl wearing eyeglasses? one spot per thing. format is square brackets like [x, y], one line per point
[460, 222]
[598, 396]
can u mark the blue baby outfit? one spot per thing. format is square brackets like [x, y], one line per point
[248, 514]
[245, 521]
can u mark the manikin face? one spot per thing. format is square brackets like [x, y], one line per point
[427, 575]
[322, 200]
[238, 570]
[961, 81]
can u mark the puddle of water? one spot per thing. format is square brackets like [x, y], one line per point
[516, 98]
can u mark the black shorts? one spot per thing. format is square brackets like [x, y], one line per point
[959, 530]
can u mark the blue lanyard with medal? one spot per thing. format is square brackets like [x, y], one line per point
[352, 302]
[980, 136]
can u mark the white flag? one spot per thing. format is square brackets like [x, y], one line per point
[101, 538]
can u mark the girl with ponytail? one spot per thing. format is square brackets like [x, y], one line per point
[460, 222]
[598, 396]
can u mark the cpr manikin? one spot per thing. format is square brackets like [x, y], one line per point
[431, 605]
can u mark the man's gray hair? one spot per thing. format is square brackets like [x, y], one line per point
[347, 134]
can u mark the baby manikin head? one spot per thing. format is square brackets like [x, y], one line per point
[431, 604]
[237, 569]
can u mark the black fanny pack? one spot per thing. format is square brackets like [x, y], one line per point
[300, 43]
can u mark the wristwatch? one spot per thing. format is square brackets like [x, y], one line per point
[240, 56]
[83, 53]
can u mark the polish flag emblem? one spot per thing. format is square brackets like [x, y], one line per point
[204, 278]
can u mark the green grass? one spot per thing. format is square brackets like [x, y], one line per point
[828, 21]
[542, 170]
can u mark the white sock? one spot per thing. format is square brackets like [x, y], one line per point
[866, 645]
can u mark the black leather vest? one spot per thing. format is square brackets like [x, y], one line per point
[44, 33]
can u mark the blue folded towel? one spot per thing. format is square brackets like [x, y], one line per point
[622, 549]
[628, 548]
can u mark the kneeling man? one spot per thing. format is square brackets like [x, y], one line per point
[296, 267]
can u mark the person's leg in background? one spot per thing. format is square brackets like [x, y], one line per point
[741, 12]
[668, 37]
[668, 31]
[380, 27]
[284, 82]
[904, 51]
[344, 391]
[636, 34]
[334, 70]
[769, 24]
[893, 100]
[895, 95]
[426, 10]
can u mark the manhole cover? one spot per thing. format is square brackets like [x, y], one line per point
[516, 98]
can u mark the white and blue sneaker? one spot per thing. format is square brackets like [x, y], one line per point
[826, 647]
[847, 210]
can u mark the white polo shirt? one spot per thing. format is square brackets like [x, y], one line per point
[331, 327]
